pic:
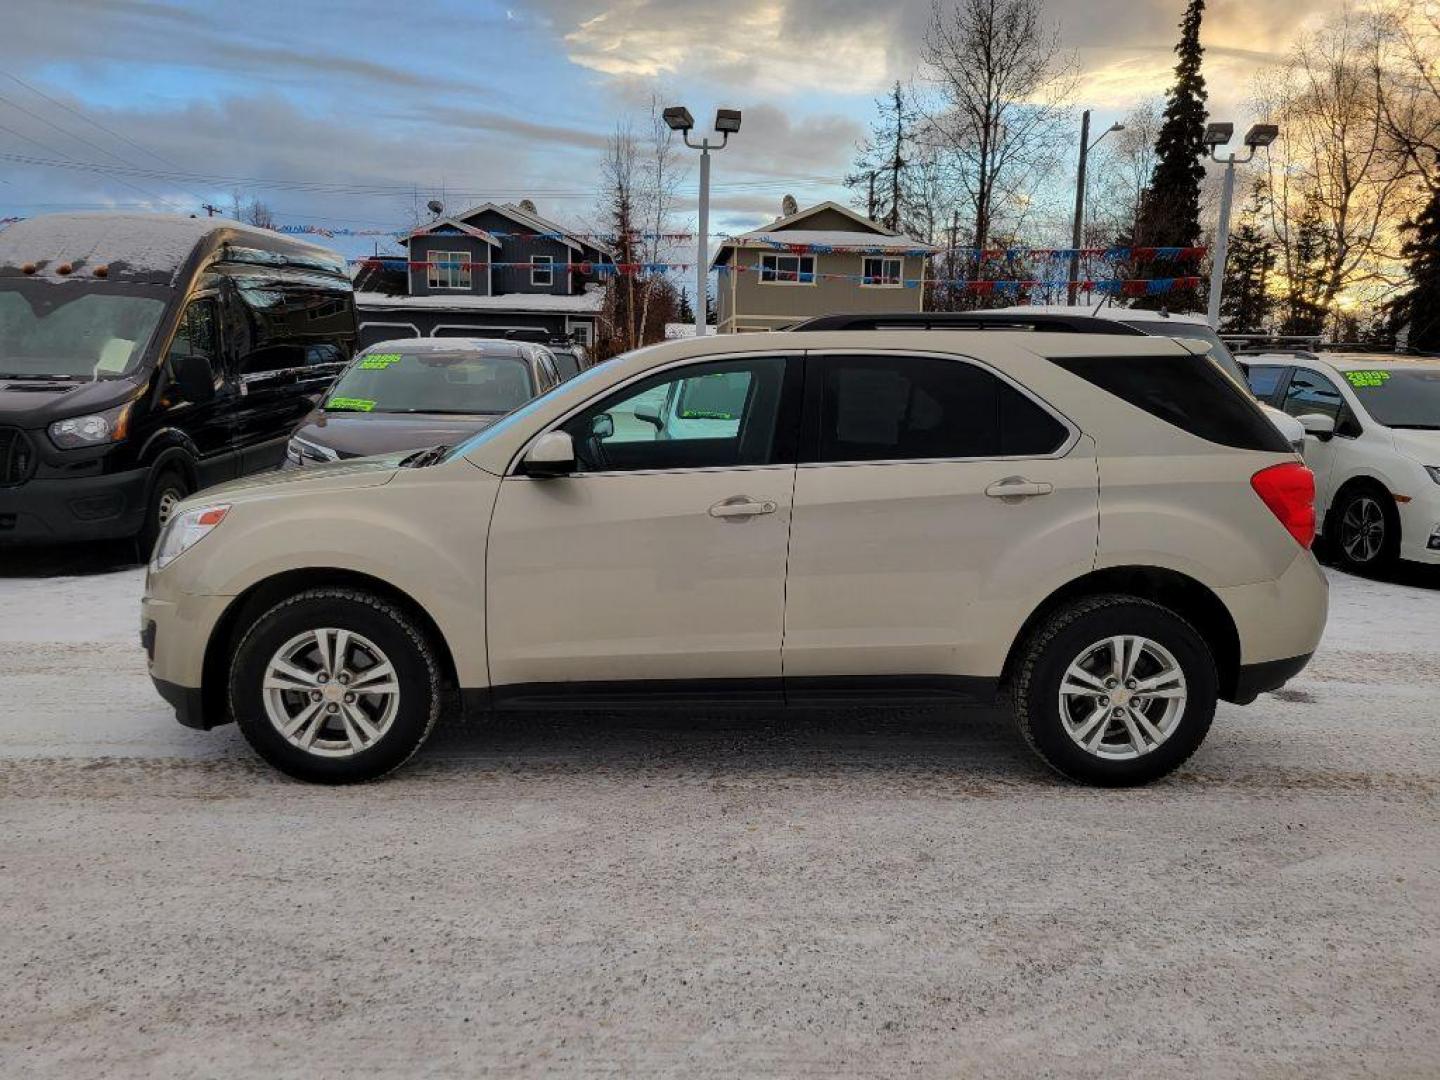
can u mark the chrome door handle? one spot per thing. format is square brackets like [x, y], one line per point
[741, 506]
[1017, 487]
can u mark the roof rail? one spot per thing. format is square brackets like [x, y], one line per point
[969, 320]
[1278, 350]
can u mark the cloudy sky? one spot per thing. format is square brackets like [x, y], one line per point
[350, 112]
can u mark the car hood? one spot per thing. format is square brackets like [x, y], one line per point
[361, 434]
[332, 476]
[1423, 446]
[32, 403]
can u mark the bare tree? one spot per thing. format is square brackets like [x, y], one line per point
[1407, 40]
[1120, 173]
[639, 176]
[1336, 193]
[252, 211]
[1003, 85]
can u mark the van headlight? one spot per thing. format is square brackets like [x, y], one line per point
[93, 429]
[184, 531]
[301, 451]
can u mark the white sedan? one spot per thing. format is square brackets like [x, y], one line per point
[1372, 438]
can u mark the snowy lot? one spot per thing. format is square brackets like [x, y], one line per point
[861, 894]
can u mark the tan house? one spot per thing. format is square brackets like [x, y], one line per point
[822, 260]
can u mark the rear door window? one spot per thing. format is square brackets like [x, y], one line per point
[1312, 394]
[1187, 391]
[1265, 380]
[896, 408]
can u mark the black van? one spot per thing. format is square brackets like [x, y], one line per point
[145, 356]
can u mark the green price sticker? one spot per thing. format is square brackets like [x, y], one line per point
[1362, 379]
[349, 404]
[379, 362]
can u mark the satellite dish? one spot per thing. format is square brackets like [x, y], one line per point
[435, 206]
[789, 207]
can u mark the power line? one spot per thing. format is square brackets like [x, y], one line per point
[92, 122]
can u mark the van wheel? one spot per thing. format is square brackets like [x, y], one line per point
[1367, 530]
[335, 686]
[1115, 691]
[169, 488]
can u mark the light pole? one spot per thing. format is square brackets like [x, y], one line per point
[1216, 136]
[727, 122]
[1077, 234]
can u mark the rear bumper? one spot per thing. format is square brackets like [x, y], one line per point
[51, 511]
[1256, 679]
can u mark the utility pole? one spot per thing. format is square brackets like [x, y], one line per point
[870, 202]
[1077, 233]
[1078, 230]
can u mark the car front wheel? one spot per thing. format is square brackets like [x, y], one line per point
[335, 686]
[1115, 691]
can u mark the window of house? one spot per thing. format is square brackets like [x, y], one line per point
[580, 332]
[447, 269]
[881, 272]
[787, 269]
[889, 408]
[542, 270]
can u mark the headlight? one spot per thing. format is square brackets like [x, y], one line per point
[1434, 471]
[300, 451]
[92, 430]
[184, 531]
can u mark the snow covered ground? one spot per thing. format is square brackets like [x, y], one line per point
[862, 894]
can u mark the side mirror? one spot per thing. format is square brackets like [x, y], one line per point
[650, 415]
[603, 426]
[1322, 427]
[194, 378]
[553, 454]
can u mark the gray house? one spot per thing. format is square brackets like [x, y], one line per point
[485, 272]
[822, 260]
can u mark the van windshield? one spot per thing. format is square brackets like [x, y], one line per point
[76, 330]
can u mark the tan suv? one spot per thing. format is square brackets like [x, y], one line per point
[1104, 531]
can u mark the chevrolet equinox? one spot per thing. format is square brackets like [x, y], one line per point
[1102, 531]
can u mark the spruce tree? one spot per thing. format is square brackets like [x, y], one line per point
[884, 169]
[686, 313]
[1170, 216]
[1418, 311]
[1246, 303]
[1305, 287]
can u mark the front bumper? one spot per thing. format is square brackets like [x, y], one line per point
[1420, 529]
[51, 510]
[175, 631]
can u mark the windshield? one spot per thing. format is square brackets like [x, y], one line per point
[432, 381]
[1399, 399]
[1193, 332]
[75, 329]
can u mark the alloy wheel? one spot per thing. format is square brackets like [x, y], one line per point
[1362, 530]
[331, 692]
[1122, 697]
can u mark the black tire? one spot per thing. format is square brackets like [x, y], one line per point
[169, 487]
[378, 621]
[1067, 636]
[1358, 540]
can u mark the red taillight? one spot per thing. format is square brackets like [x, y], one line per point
[1289, 491]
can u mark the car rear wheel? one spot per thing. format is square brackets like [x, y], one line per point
[335, 686]
[1115, 691]
[1367, 530]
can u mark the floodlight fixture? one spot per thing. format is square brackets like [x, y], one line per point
[1218, 134]
[727, 121]
[678, 118]
[1261, 135]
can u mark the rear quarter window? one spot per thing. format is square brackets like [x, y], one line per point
[1187, 391]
